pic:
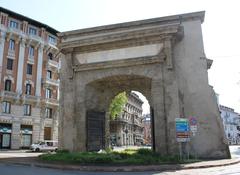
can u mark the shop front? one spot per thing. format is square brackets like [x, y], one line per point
[5, 135]
[26, 136]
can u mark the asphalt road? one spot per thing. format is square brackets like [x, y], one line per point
[26, 170]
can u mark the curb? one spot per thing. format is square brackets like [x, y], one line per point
[118, 168]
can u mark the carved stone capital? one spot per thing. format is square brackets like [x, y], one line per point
[23, 42]
[8, 36]
[18, 39]
[40, 46]
[28, 42]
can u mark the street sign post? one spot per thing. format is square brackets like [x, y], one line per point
[182, 133]
[182, 130]
[193, 125]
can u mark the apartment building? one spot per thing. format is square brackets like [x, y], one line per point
[29, 83]
[127, 128]
[231, 124]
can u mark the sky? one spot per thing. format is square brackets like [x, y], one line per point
[221, 28]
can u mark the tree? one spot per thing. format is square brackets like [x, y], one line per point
[117, 105]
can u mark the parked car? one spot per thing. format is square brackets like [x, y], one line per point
[47, 145]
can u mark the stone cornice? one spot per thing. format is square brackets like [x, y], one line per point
[169, 26]
[134, 24]
[120, 63]
[156, 31]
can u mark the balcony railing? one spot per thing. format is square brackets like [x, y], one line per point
[9, 94]
[122, 120]
[53, 63]
[11, 53]
[30, 98]
[14, 31]
[35, 37]
[31, 59]
[50, 81]
[136, 122]
[52, 101]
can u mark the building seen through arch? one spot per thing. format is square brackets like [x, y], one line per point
[127, 127]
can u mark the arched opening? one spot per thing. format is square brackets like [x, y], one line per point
[130, 121]
[127, 127]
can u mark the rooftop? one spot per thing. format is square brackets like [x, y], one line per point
[30, 20]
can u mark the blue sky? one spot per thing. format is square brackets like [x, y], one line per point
[220, 29]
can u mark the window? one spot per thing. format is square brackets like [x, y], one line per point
[49, 112]
[48, 93]
[9, 64]
[50, 56]
[32, 31]
[28, 89]
[8, 85]
[31, 51]
[13, 24]
[6, 107]
[29, 69]
[49, 74]
[11, 44]
[51, 39]
[27, 109]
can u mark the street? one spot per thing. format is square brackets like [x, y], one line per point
[26, 170]
[7, 169]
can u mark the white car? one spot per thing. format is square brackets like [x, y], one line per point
[47, 145]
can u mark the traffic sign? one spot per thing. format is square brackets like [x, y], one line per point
[182, 130]
[192, 121]
[193, 125]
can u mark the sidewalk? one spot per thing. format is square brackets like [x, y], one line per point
[35, 162]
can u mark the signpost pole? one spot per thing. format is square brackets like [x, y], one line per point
[182, 135]
[180, 150]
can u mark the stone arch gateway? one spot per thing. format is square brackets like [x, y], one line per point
[163, 58]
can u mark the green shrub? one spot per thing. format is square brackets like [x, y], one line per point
[139, 157]
[144, 151]
[108, 150]
[62, 151]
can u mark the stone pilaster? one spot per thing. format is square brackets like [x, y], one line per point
[15, 137]
[36, 132]
[168, 53]
[20, 66]
[2, 42]
[39, 71]
[55, 126]
[67, 137]
[160, 130]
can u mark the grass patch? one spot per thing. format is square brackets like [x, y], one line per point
[126, 157]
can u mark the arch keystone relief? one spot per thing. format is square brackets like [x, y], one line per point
[163, 58]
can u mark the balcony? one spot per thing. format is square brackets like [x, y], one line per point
[137, 123]
[51, 101]
[9, 95]
[118, 119]
[14, 31]
[31, 59]
[50, 81]
[52, 63]
[11, 54]
[31, 98]
[35, 38]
